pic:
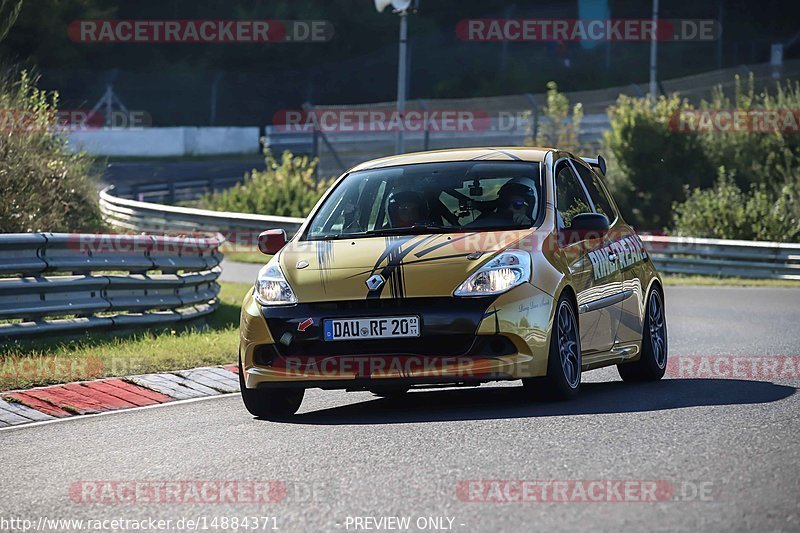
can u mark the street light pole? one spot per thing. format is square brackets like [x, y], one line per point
[402, 69]
[653, 56]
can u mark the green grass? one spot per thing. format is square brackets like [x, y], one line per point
[244, 254]
[248, 257]
[677, 280]
[29, 363]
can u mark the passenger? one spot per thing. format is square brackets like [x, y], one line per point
[406, 208]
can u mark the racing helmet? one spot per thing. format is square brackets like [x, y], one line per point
[524, 187]
[406, 208]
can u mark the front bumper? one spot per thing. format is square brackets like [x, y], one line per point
[470, 341]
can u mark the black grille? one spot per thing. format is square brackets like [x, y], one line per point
[448, 326]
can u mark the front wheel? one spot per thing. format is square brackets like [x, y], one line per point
[563, 380]
[653, 362]
[269, 403]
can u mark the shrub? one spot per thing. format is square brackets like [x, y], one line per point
[653, 167]
[726, 212]
[771, 158]
[650, 165]
[287, 187]
[558, 127]
[43, 185]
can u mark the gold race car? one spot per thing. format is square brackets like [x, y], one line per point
[453, 267]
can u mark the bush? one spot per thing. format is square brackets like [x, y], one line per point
[726, 212]
[558, 127]
[43, 185]
[286, 188]
[653, 166]
[755, 157]
[650, 165]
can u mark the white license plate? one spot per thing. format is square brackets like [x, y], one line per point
[340, 329]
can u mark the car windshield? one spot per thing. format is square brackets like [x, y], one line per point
[430, 198]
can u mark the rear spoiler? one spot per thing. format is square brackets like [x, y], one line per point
[598, 163]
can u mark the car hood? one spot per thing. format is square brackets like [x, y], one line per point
[410, 265]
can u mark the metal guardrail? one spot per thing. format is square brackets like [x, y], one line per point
[134, 215]
[174, 191]
[673, 255]
[58, 282]
[728, 258]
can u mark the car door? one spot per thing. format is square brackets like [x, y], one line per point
[628, 248]
[594, 276]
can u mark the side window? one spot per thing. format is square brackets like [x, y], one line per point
[570, 198]
[596, 192]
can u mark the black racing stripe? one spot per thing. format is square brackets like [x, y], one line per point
[324, 250]
[435, 247]
[394, 254]
[512, 156]
[428, 260]
[395, 275]
[391, 243]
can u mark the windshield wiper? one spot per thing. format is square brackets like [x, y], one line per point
[409, 230]
[415, 229]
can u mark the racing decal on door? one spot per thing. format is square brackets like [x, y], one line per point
[324, 251]
[628, 252]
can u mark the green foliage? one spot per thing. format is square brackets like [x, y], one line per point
[649, 163]
[43, 185]
[287, 187]
[726, 212]
[654, 166]
[9, 11]
[558, 127]
[771, 158]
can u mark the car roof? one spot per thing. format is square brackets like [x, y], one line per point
[514, 153]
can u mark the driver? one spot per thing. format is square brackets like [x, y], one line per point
[516, 202]
[406, 208]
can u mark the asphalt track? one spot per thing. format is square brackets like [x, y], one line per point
[728, 448]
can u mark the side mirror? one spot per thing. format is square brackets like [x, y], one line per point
[271, 241]
[587, 226]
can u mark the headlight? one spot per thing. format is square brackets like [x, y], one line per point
[507, 270]
[272, 287]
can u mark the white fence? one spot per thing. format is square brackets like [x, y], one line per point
[166, 142]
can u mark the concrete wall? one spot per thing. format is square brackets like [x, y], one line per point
[163, 142]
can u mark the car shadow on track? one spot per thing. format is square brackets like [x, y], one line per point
[511, 402]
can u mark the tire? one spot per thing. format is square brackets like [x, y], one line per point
[270, 403]
[389, 392]
[653, 362]
[563, 380]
